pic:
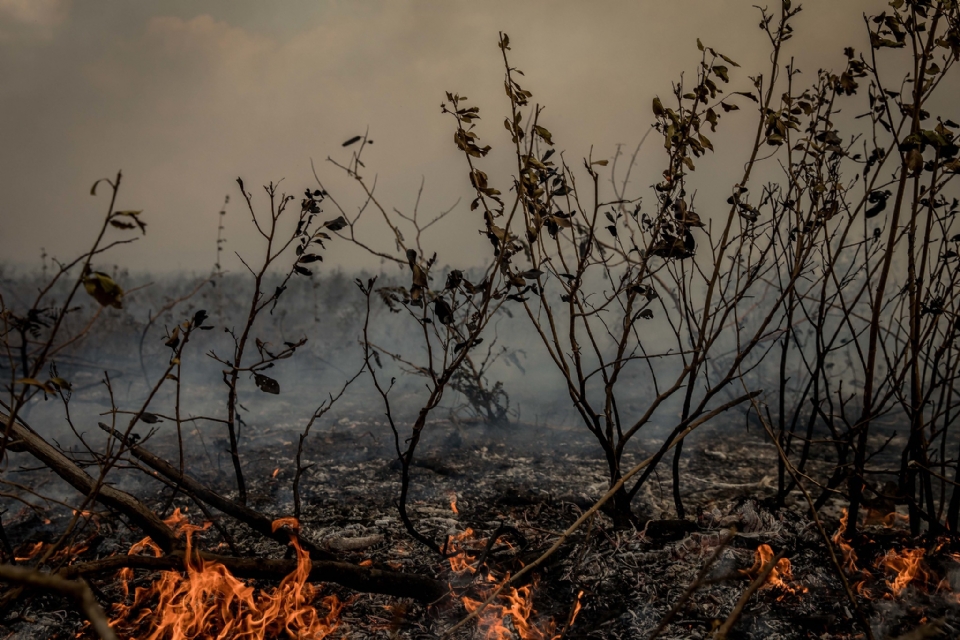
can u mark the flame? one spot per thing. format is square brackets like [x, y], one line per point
[577, 606]
[511, 618]
[275, 472]
[209, 602]
[453, 503]
[779, 576]
[849, 555]
[460, 560]
[31, 554]
[906, 565]
[177, 520]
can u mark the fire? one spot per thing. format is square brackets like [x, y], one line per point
[512, 615]
[778, 575]
[849, 555]
[906, 565]
[453, 503]
[275, 472]
[209, 602]
[31, 554]
[511, 618]
[460, 560]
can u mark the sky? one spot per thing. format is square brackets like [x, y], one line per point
[184, 96]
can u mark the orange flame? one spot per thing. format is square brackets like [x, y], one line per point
[460, 560]
[211, 603]
[778, 575]
[906, 565]
[511, 618]
[31, 554]
[849, 555]
[453, 503]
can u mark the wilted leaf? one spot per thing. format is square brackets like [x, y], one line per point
[266, 384]
[174, 340]
[150, 418]
[914, 161]
[103, 289]
[336, 224]
[721, 71]
[352, 140]
[544, 134]
[93, 189]
[443, 311]
[658, 109]
[60, 383]
[33, 382]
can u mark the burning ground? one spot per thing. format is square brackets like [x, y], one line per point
[499, 497]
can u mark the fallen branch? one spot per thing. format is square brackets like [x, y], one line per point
[253, 519]
[25, 439]
[721, 633]
[77, 590]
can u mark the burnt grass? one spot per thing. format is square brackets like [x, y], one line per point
[531, 482]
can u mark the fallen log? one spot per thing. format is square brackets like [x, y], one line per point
[364, 579]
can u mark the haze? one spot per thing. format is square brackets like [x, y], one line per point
[185, 96]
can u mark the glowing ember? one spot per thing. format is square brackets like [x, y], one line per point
[906, 565]
[209, 602]
[275, 472]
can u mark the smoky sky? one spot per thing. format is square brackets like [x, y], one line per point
[185, 96]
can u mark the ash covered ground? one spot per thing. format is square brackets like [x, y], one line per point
[532, 478]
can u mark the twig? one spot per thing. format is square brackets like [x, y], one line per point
[694, 586]
[731, 620]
